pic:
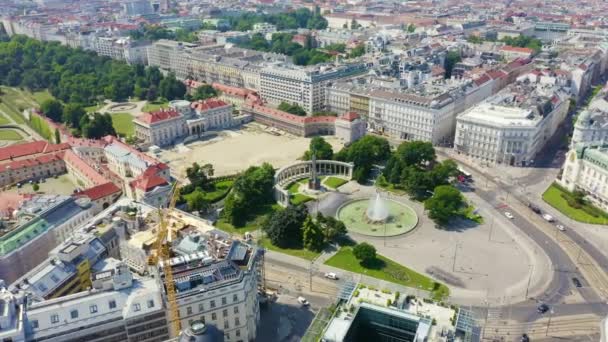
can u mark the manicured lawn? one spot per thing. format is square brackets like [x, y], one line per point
[334, 182]
[553, 196]
[155, 105]
[15, 100]
[123, 124]
[41, 96]
[300, 253]
[294, 187]
[220, 191]
[10, 134]
[300, 199]
[251, 225]
[388, 270]
[3, 120]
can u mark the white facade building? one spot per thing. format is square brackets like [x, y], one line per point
[586, 169]
[305, 87]
[160, 128]
[503, 130]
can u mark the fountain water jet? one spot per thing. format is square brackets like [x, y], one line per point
[377, 211]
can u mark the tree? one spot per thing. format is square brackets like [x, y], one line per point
[284, 228]
[171, 89]
[364, 153]
[52, 109]
[57, 137]
[354, 24]
[204, 92]
[321, 148]
[251, 190]
[35, 187]
[445, 203]
[411, 28]
[196, 201]
[199, 175]
[365, 253]
[451, 59]
[357, 51]
[416, 153]
[72, 114]
[332, 228]
[312, 235]
[97, 126]
[292, 108]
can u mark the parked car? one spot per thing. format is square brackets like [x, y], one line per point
[509, 215]
[525, 338]
[542, 308]
[303, 301]
[576, 282]
[331, 275]
[560, 227]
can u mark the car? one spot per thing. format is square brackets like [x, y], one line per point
[525, 338]
[548, 218]
[303, 301]
[509, 215]
[577, 282]
[331, 275]
[542, 308]
[560, 227]
[534, 208]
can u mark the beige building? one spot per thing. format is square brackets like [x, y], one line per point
[160, 128]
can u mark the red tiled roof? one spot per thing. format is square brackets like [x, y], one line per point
[31, 148]
[229, 90]
[87, 170]
[494, 74]
[148, 183]
[349, 116]
[483, 79]
[208, 104]
[99, 191]
[158, 116]
[516, 49]
[19, 164]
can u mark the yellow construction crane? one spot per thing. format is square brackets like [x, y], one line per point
[162, 245]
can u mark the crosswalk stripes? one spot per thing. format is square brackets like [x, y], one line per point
[495, 314]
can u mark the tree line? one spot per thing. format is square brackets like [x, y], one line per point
[283, 43]
[78, 76]
[300, 18]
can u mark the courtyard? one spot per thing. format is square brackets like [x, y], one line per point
[232, 151]
[61, 185]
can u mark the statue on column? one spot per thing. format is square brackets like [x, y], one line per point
[314, 183]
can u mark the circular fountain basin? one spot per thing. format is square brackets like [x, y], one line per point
[400, 219]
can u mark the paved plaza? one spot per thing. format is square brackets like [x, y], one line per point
[233, 151]
[492, 261]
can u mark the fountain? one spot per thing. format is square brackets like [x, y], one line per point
[377, 216]
[377, 211]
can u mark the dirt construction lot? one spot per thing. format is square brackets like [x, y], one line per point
[232, 151]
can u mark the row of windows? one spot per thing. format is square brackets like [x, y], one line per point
[201, 306]
[93, 309]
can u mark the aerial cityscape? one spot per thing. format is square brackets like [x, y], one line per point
[303, 170]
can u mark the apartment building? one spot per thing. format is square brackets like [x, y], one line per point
[513, 126]
[217, 283]
[119, 307]
[306, 87]
[586, 169]
[169, 55]
[67, 270]
[40, 224]
[591, 126]
[426, 112]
